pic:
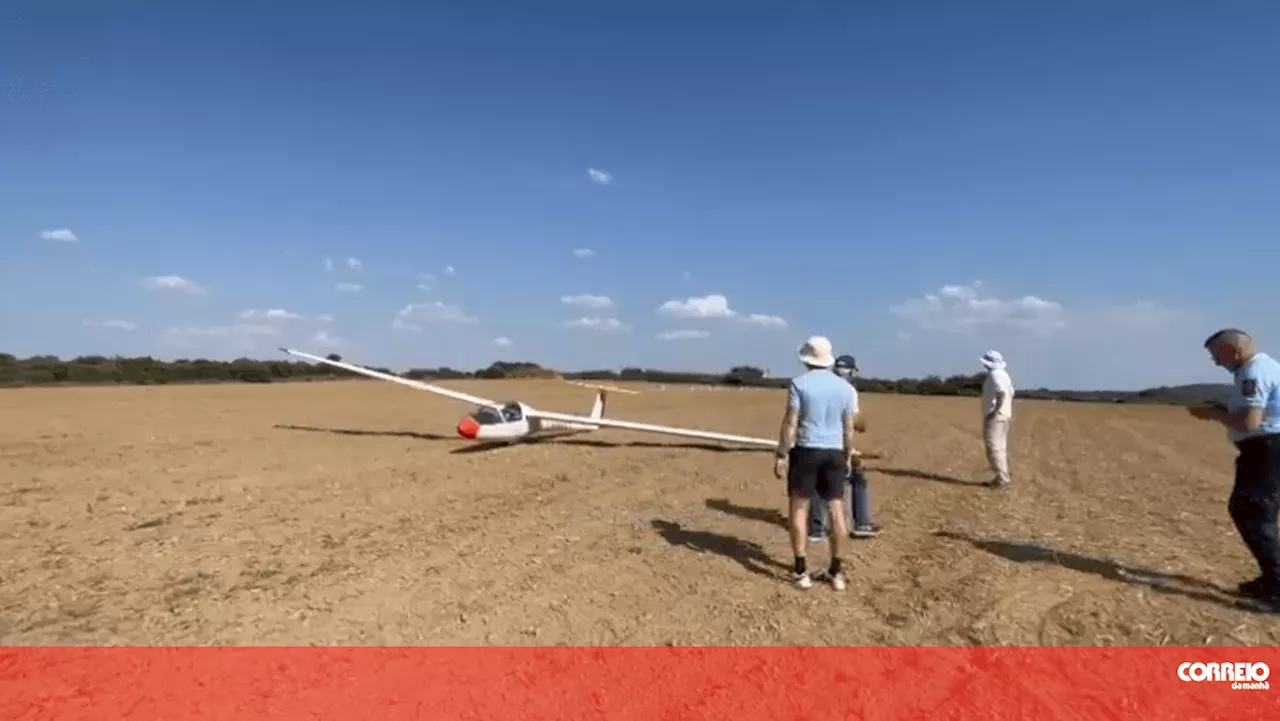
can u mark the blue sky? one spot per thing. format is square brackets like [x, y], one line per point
[1089, 187]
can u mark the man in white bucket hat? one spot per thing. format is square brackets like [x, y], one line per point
[997, 412]
[814, 446]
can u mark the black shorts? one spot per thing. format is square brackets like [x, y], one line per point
[1258, 469]
[820, 471]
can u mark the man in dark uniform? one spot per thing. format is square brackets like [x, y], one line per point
[1252, 419]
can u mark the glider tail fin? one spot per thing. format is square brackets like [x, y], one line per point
[597, 409]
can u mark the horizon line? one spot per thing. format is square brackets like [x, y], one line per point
[561, 371]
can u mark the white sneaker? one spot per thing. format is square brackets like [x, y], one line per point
[802, 580]
[838, 582]
[817, 539]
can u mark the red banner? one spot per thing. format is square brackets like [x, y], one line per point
[649, 684]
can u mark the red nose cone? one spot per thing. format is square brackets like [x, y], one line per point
[468, 428]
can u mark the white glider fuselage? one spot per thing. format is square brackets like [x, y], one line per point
[513, 421]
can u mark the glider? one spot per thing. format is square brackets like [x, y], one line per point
[513, 420]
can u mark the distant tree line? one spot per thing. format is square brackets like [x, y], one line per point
[84, 370]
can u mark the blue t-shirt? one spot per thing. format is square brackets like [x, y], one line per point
[1257, 385]
[821, 400]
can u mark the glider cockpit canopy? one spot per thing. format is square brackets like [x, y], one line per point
[492, 415]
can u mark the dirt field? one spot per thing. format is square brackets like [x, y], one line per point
[350, 513]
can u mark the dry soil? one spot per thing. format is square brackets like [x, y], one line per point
[350, 513]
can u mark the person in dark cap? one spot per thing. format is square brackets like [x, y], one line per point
[859, 510]
[1252, 419]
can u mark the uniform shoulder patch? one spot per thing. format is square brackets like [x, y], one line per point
[1248, 387]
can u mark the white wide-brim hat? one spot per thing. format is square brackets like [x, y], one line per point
[817, 352]
[992, 359]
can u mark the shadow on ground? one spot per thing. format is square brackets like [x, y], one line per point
[1162, 582]
[356, 432]
[482, 446]
[593, 443]
[923, 475]
[748, 554]
[751, 513]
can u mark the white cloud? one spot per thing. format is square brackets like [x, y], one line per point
[324, 318]
[1144, 315]
[112, 324]
[322, 338]
[354, 264]
[328, 265]
[587, 300]
[62, 235]
[964, 308]
[175, 283]
[1049, 342]
[768, 321]
[253, 329]
[711, 306]
[970, 308]
[599, 176]
[271, 314]
[241, 336]
[349, 287]
[683, 334]
[583, 252]
[448, 270]
[502, 340]
[413, 315]
[427, 277]
[717, 306]
[594, 323]
[222, 331]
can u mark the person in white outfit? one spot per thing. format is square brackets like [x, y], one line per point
[997, 413]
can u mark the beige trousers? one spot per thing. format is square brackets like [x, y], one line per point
[995, 437]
